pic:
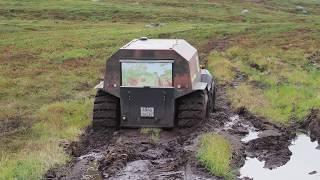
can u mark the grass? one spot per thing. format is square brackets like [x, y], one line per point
[215, 154]
[41, 150]
[221, 67]
[280, 85]
[31, 165]
[52, 53]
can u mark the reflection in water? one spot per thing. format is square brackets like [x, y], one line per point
[251, 136]
[304, 160]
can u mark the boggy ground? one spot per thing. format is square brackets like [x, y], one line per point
[131, 154]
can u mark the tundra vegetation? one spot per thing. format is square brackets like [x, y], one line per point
[215, 153]
[52, 53]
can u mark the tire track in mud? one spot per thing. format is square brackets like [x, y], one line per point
[130, 154]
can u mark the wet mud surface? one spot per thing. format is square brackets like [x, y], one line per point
[131, 154]
[312, 125]
[302, 164]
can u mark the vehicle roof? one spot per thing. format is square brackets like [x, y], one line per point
[181, 46]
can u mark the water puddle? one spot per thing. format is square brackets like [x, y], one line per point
[233, 120]
[250, 136]
[304, 163]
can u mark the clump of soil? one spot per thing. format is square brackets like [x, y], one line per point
[9, 126]
[312, 124]
[115, 158]
[271, 149]
[89, 141]
[272, 143]
[258, 122]
[258, 67]
[314, 59]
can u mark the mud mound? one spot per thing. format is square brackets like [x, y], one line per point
[272, 142]
[274, 150]
[257, 121]
[314, 59]
[115, 159]
[312, 124]
[10, 126]
[144, 160]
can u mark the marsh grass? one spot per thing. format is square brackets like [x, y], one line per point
[279, 86]
[215, 154]
[221, 67]
[42, 150]
[52, 53]
[31, 163]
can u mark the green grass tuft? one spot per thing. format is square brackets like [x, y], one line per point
[215, 154]
[221, 67]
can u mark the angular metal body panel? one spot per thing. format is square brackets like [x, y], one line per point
[186, 70]
[206, 77]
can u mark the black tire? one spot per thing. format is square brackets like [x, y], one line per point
[192, 109]
[106, 111]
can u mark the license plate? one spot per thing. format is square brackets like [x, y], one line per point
[146, 111]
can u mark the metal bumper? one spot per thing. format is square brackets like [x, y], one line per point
[147, 107]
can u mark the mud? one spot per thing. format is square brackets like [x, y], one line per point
[303, 164]
[314, 59]
[257, 67]
[131, 154]
[271, 149]
[312, 124]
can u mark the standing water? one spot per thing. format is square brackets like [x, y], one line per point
[304, 163]
[250, 136]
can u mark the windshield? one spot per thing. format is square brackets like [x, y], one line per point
[154, 74]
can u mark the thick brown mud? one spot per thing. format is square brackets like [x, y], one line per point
[171, 154]
[312, 124]
[303, 163]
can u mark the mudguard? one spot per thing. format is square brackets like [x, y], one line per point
[207, 78]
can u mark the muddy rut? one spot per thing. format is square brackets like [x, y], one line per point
[131, 154]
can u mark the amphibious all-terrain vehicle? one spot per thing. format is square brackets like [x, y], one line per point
[154, 83]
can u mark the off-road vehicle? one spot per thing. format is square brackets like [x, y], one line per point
[154, 83]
